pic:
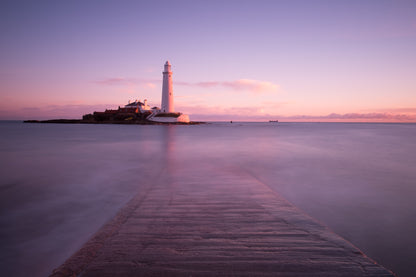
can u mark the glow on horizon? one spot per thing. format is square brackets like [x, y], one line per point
[231, 60]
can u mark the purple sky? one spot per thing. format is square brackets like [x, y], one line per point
[231, 60]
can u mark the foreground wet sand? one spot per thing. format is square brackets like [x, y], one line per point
[228, 225]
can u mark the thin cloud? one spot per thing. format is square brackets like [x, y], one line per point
[208, 84]
[150, 85]
[127, 85]
[68, 111]
[372, 116]
[395, 110]
[358, 117]
[122, 81]
[253, 86]
[114, 81]
[250, 85]
[199, 84]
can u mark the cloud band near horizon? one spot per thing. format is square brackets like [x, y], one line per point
[250, 85]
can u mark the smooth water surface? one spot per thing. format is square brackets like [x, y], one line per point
[61, 182]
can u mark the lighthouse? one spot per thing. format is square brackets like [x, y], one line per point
[166, 113]
[167, 90]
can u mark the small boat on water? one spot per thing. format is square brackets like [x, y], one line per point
[274, 121]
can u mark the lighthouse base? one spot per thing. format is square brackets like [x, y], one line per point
[169, 117]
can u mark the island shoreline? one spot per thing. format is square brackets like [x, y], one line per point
[127, 122]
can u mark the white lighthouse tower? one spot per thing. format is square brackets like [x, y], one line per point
[167, 90]
[166, 113]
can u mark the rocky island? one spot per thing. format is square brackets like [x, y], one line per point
[136, 112]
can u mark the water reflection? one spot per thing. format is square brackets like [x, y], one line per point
[168, 148]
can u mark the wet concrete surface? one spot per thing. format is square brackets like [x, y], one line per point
[228, 225]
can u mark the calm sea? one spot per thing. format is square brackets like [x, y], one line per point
[60, 183]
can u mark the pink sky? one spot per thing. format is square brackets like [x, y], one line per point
[232, 60]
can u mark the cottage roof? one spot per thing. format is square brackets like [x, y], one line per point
[134, 104]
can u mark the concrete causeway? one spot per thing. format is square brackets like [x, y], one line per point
[228, 225]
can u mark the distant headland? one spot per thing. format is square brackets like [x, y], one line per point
[137, 112]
